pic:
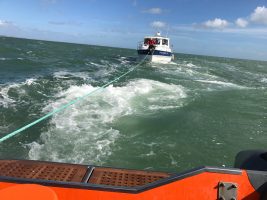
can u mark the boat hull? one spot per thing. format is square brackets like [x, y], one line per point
[156, 56]
[67, 181]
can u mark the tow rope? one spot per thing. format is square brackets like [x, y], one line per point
[65, 106]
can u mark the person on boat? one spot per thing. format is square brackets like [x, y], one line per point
[152, 42]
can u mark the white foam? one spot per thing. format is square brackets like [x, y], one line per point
[94, 64]
[173, 161]
[221, 83]
[149, 154]
[5, 99]
[186, 69]
[61, 74]
[67, 74]
[264, 80]
[191, 65]
[30, 81]
[85, 132]
[123, 60]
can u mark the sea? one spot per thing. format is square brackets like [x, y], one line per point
[195, 111]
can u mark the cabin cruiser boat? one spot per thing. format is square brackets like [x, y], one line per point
[155, 49]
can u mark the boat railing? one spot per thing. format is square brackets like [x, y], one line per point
[140, 44]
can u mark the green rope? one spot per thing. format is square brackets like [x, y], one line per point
[68, 104]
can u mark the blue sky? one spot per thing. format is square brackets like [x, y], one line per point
[228, 28]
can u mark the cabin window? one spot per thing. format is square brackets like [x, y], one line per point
[146, 41]
[165, 42]
[152, 40]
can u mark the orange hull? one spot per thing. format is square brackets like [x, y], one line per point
[202, 183]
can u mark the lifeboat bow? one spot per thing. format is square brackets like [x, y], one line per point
[27, 179]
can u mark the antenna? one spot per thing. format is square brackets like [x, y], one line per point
[168, 30]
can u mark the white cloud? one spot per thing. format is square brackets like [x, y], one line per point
[5, 23]
[217, 23]
[8, 28]
[158, 24]
[259, 15]
[67, 23]
[242, 23]
[153, 11]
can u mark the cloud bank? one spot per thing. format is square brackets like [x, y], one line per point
[258, 16]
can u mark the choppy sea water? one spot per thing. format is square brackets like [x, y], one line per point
[195, 111]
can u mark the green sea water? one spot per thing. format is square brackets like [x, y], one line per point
[195, 111]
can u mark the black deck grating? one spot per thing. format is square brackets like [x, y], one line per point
[126, 178]
[42, 170]
[51, 171]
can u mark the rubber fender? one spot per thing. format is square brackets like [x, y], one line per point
[252, 160]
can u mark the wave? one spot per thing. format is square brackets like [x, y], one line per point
[68, 75]
[185, 69]
[85, 132]
[221, 83]
[263, 80]
[5, 99]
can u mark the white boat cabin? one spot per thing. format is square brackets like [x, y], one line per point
[157, 40]
[155, 49]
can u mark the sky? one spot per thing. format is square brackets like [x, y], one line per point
[226, 28]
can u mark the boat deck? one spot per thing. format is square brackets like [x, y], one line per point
[62, 172]
[75, 181]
